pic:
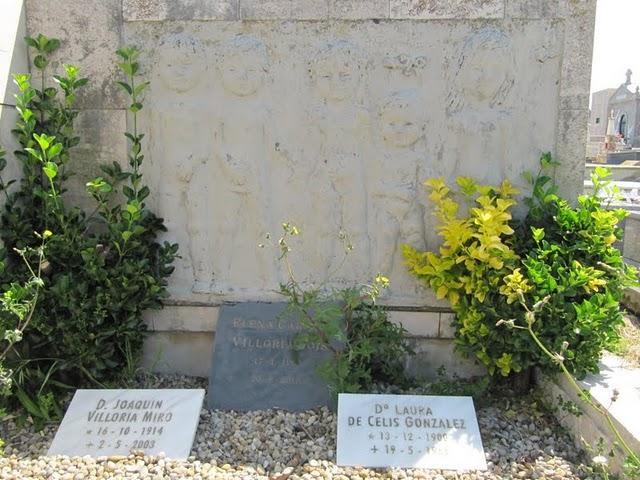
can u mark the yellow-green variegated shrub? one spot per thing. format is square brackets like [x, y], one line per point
[562, 258]
[476, 268]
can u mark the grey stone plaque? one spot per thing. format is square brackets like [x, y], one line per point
[253, 368]
[115, 422]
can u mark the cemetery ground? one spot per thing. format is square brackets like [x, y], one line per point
[629, 347]
[522, 440]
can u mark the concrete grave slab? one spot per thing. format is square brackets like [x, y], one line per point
[418, 431]
[115, 422]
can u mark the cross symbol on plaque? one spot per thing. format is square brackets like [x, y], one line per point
[374, 449]
[89, 444]
[88, 432]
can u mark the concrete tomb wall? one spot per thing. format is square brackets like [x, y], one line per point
[328, 114]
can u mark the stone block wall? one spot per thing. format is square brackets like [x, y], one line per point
[325, 113]
[182, 341]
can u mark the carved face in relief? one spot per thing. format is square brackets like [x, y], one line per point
[337, 71]
[243, 65]
[402, 119]
[486, 66]
[180, 62]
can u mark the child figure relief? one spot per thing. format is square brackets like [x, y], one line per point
[341, 138]
[242, 140]
[478, 106]
[179, 149]
[397, 212]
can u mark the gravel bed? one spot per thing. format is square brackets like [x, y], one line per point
[520, 441]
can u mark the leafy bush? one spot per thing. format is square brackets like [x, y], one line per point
[101, 270]
[569, 255]
[17, 304]
[475, 257]
[366, 348]
[559, 251]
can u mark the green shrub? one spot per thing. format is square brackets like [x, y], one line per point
[17, 305]
[560, 251]
[366, 348]
[568, 254]
[101, 270]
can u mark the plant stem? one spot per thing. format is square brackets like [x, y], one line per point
[585, 396]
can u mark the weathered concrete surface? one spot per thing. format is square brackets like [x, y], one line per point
[615, 380]
[162, 10]
[90, 31]
[531, 9]
[631, 299]
[101, 142]
[434, 354]
[13, 52]
[456, 9]
[183, 319]
[631, 249]
[13, 59]
[364, 9]
[184, 353]
[575, 77]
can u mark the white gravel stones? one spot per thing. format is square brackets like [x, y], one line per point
[520, 443]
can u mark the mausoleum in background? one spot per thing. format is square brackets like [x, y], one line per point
[615, 111]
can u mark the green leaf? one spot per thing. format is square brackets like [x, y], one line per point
[601, 173]
[132, 208]
[34, 153]
[123, 52]
[72, 70]
[128, 192]
[52, 45]
[140, 88]
[54, 150]
[126, 235]
[126, 68]
[135, 107]
[99, 184]
[50, 169]
[50, 92]
[40, 62]
[27, 403]
[125, 86]
[43, 140]
[538, 233]
[31, 42]
[143, 193]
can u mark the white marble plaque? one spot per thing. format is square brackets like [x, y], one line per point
[115, 422]
[416, 431]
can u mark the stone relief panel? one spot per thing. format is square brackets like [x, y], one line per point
[180, 153]
[339, 132]
[395, 208]
[478, 105]
[334, 127]
[243, 135]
